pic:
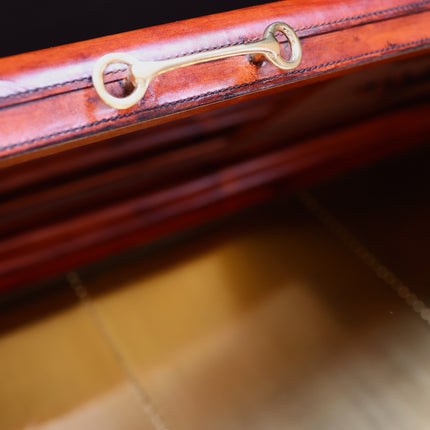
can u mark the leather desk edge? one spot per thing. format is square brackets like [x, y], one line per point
[28, 133]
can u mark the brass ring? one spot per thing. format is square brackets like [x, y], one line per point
[296, 50]
[101, 64]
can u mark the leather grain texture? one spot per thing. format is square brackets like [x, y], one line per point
[47, 101]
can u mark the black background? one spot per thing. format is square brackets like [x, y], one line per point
[27, 26]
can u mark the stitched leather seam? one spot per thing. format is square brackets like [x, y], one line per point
[367, 15]
[88, 78]
[216, 92]
[323, 24]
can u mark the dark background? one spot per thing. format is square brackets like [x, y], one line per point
[27, 26]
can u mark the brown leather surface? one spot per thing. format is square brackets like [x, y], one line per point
[47, 97]
[75, 206]
[81, 221]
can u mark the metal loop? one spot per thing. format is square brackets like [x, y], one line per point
[296, 50]
[102, 63]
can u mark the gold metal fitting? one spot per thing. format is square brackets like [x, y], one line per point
[142, 72]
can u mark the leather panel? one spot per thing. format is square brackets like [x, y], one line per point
[51, 100]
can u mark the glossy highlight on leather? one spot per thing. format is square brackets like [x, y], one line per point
[48, 102]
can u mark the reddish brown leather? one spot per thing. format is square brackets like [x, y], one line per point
[48, 101]
[91, 233]
[75, 206]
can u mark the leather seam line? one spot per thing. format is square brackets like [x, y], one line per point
[338, 21]
[215, 92]
[366, 15]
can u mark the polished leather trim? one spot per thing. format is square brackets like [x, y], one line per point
[417, 43]
[391, 12]
[61, 115]
[304, 31]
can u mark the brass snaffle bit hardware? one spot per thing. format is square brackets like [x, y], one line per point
[142, 72]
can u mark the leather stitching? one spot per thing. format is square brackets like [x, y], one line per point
[217, 92]
[367, 15]
[323, 24]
